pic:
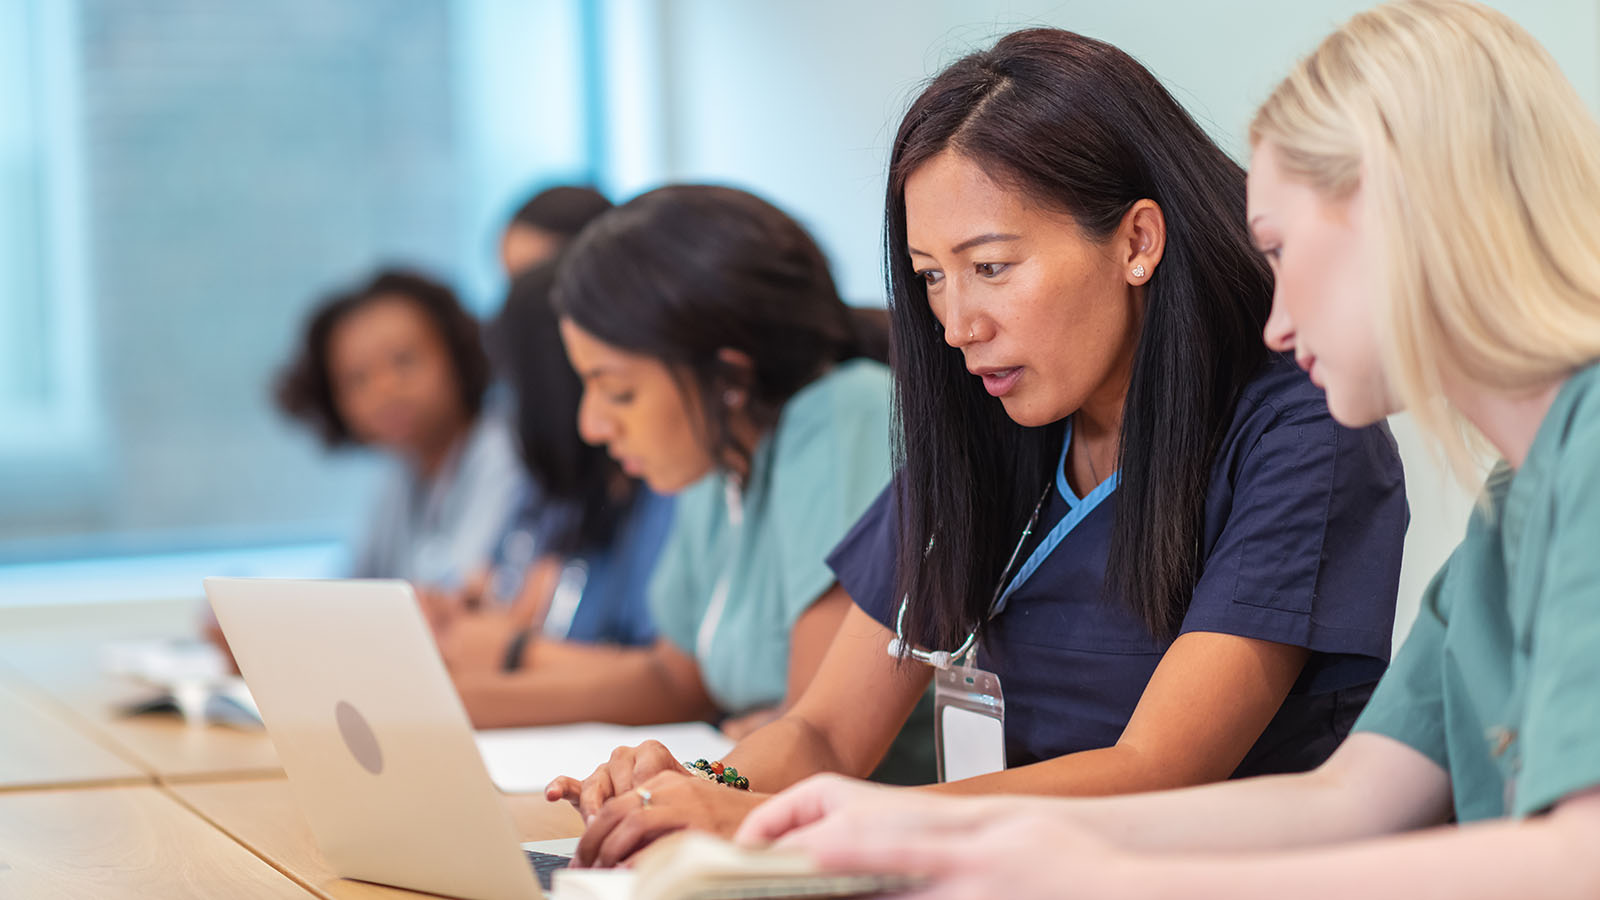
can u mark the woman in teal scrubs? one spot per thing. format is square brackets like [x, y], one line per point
[718, 365]
[1427, 189]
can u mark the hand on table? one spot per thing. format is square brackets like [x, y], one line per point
[1023, 856]
[828, 808]
[476, 642]
[440, 607]
[627, 768]
[678, 800]
[967, 847]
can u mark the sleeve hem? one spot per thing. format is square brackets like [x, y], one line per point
[1548, 792]
[1266, 624]
[811, 587]
[1398, 732]
[866, 604]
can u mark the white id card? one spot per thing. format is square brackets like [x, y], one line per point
[969, 715]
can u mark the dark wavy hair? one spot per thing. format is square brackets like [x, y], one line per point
[1080, 126]
[526, 345]
[562, 210]
[684, 272]
[304, 389]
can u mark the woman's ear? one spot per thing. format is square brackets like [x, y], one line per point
[737, 373]
[1141, 240]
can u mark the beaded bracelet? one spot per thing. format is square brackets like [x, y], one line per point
[718, 773]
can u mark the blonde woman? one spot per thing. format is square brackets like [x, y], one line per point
[1427, 188]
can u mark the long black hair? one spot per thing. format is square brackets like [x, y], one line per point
[304, 389]
[1080, 126]
[581, 479]
[682, 273]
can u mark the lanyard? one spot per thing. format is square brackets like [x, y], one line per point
[941, 659]
[1078, 510]
[565, 598]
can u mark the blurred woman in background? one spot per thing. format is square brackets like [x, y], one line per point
[578, 566]
[545, 223]
[532, 241]
[396, 365]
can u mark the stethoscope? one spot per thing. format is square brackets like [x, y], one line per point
[944, 659]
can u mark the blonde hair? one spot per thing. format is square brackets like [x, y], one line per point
[1479, 167]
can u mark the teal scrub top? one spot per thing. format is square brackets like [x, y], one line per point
[1499, 680]
[740, 568]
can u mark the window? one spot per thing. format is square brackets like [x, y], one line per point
[47, 444]
[180, 183]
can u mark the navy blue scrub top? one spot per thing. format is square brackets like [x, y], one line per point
[612, 607]
[1304, 522]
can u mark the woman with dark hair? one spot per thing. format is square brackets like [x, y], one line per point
[1132, 542]
[718, 364]
[486, 623]
[543, 225]
[577, 569]
[397, 365]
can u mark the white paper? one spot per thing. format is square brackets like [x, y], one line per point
[525, 760]
[165, 663]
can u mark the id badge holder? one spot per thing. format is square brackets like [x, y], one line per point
[969, 720]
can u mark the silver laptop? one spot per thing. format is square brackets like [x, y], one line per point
[377, 748]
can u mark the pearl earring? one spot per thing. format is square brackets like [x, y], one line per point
[1138, 270]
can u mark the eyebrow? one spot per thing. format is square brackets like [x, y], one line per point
[598, 372]
[978, 240]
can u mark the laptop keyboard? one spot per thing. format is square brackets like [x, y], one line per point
[820, 886]
[546, 864]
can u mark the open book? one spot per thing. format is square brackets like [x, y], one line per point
[187, 677]
[696, 866]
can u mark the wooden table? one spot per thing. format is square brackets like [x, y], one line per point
[64, 673]
[262, 815]
[42, 749]
[129, 842]
[209, 813]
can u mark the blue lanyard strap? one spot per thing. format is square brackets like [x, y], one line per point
[1061, 472]
[1077, 511]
